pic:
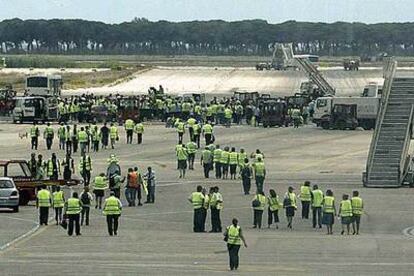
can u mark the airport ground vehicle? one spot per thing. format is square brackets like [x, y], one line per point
[42, 85]
[26, 183]
[343, 116]
[128, 109]
[263, 66]
[39, 109]
[6, 100]
[274, 113]
[351, 64]
[9, 195]
[246, 98]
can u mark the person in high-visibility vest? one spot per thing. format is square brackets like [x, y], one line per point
[233, 162]
[96, 137]
[34, 135]
[83, 140]
[113, 135]
[58, 204]
[139, 130]
[345, 213]
[329, 211]
[217, 161]
[228, 115]
[273, 209]
[305, 198]
[100, 185]
[112, 209]
[180, 130]
[43, 203]
[317, 200]
[53, 167]
[49, 134]
[190, 123]
[197, 133]
[85, 168]
[259, 170]
[258, 204]
[224, 162]
[182, 156]
[234, 236]
[208, 133]
[73, 208]
[357, 211]
[191, 152]
[207, 161]
[216, 205]
[197, 200]
[129, 129]
[62, 136]
[289, 203]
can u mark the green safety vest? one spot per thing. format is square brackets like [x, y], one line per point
[181, 153]
[73, 206]
[43, 198]
[317, 198]
[262, 200]
[224, 159]
[62, 132]
[88, 163]
[139, 128]
[233, 235]
[129, 124]
[328, 204]
[206, 156]
[58, 201]
[292, 197]
[197, 199]
[191, 122]
[49, 131]
[305, 193]
[180, 127]
[196, 129]
[50, 167]
[346, 208]
[113, 132]
[242, 156]
[191, 147]
[233, 158]
[228, 113]
[217, 155]
[82, 136]
[208, 129]
[259, 168]
[356, 205]
[273, 203]
[100, 183]
[112, 206]
[34, 131]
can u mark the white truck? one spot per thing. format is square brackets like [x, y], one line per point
[367, 107]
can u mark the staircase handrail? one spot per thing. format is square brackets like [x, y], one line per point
[406, 145]
[389, 77]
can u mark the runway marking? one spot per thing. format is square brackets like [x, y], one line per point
[21, 219]
[409, 232]
[179, 212]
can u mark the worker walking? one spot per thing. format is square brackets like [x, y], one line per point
[85, 168]
[273, 210]
[305, 198]
[259, 173]
[34, 136]
[180, 130]
[129, 129]
[43, 203]
[53, 168]
[49, 134]
[329, 211]
[207, 161]
[101, 184]
[62, 136]
[224, 162]
[73, 208]
[191, 152]
[83, 140]
[86, 199]
[113, 135]
[149, 177]
[216, 205]
[112, 210]
[289, 203]
[345, 213]
[58, 204]
[139, 130]
[208, 133]
[234, 236]
[182, 156]
[258, 204]
[197, 200]
[246, 175]
[317, 200]
[233, 162]
[217, 161]
[357, 211]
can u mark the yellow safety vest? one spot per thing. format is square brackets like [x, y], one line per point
[112, 206]
[259, 168]
[233, 158]
[357, 205]
[262, 200]
[197, 199]
[139, 128]
[305, 193]
[224, 158]
[317, 198]
[328, 204]
[58, 201]
[346, 208]
[88, 163]
[73, 206]
[233, 235]
[82, 136]
[113, 132]
[129, 124]
[100, 183]
[208, 129]
[43, 197]
[217, 155]
[273, 203]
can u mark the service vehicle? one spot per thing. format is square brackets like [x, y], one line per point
[43, 85]
[274, 112]
[9, 195]
[35, 109]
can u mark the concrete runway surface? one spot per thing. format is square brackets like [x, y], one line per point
[157, 239]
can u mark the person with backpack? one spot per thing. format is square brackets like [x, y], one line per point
[233, 237]
[289, 203]
[273, 210]
[258, 204]
[246, 175]
[73, 207]
[86, 199]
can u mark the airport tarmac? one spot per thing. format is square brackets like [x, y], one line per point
[157, 239]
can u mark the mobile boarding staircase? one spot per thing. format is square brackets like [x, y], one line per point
[389, 162]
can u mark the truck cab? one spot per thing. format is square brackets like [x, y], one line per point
[39, 109]
[274, 113]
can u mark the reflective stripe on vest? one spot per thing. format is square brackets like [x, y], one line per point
[43, 197]
[328, 204]
[356, 205]
[73, 206]
[305, 194]
[197, 199]
[259, 168]
[100, 183]
[233, 158]
[317, 198]
[217, 155]
[112, 206]
[273, 203]
[58, 201]
[233, 235]
[346, 208]
[224, 159]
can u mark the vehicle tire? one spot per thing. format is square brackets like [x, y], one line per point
[16, 209]
[265, 125]
[24, 198]
[325, 125]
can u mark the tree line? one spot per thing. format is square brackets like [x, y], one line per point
[215, 37]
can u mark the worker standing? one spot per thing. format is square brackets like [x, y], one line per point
[234, 236]
[224, 162]
[75, 138]
[317, 200]
[191, 152]
[197, 199]
[216, 159]
[190, 123]
[329, 211]
[182, 156]
[206, 204]
[233, 162]
[305, 198]
[129, 129]
[289, 203]
[345, 213]
[53, 167]
[228, 115]
[207, 161]
[112, 210]
[34, 135]
[258, 204]
[208, 133]
[86, 199]
[149, 177]
[101, 184]
[246, 176]
[58, 204]
[83, 140]
[139, 130]
[180, 130]
[138, 193]
[113, 135]
[85, 168]
[196, 135]
[49, 134]
[216, 205]
[259, 173]
[62, 136]
[43, 203]
[273, 210]
[357, 211]
[73, 208]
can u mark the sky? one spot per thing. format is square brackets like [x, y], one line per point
[274, 11]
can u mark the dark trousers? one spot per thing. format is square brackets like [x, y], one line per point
[58, 214]
[207, 168]
[272, 216]
[151, 194]
[129, 134]
[139, 135]
[43, 215]
[49, 142]
[34, 143]
[112, 223]
[305, 209]
[191, 133]
[204, 218]
[257, 218]
[317, 216]
[208, 138]
[198, 220]
[85, 215]
[180, 137]
[75, 145]
[96, 146]
[215, 220]
[259, 183]
[191, 157]
[69, 147]
[197, 140]
[73, 219]
[218, 169]
[246, 185]
[86, 175]
[233, 255]
[117, 192]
